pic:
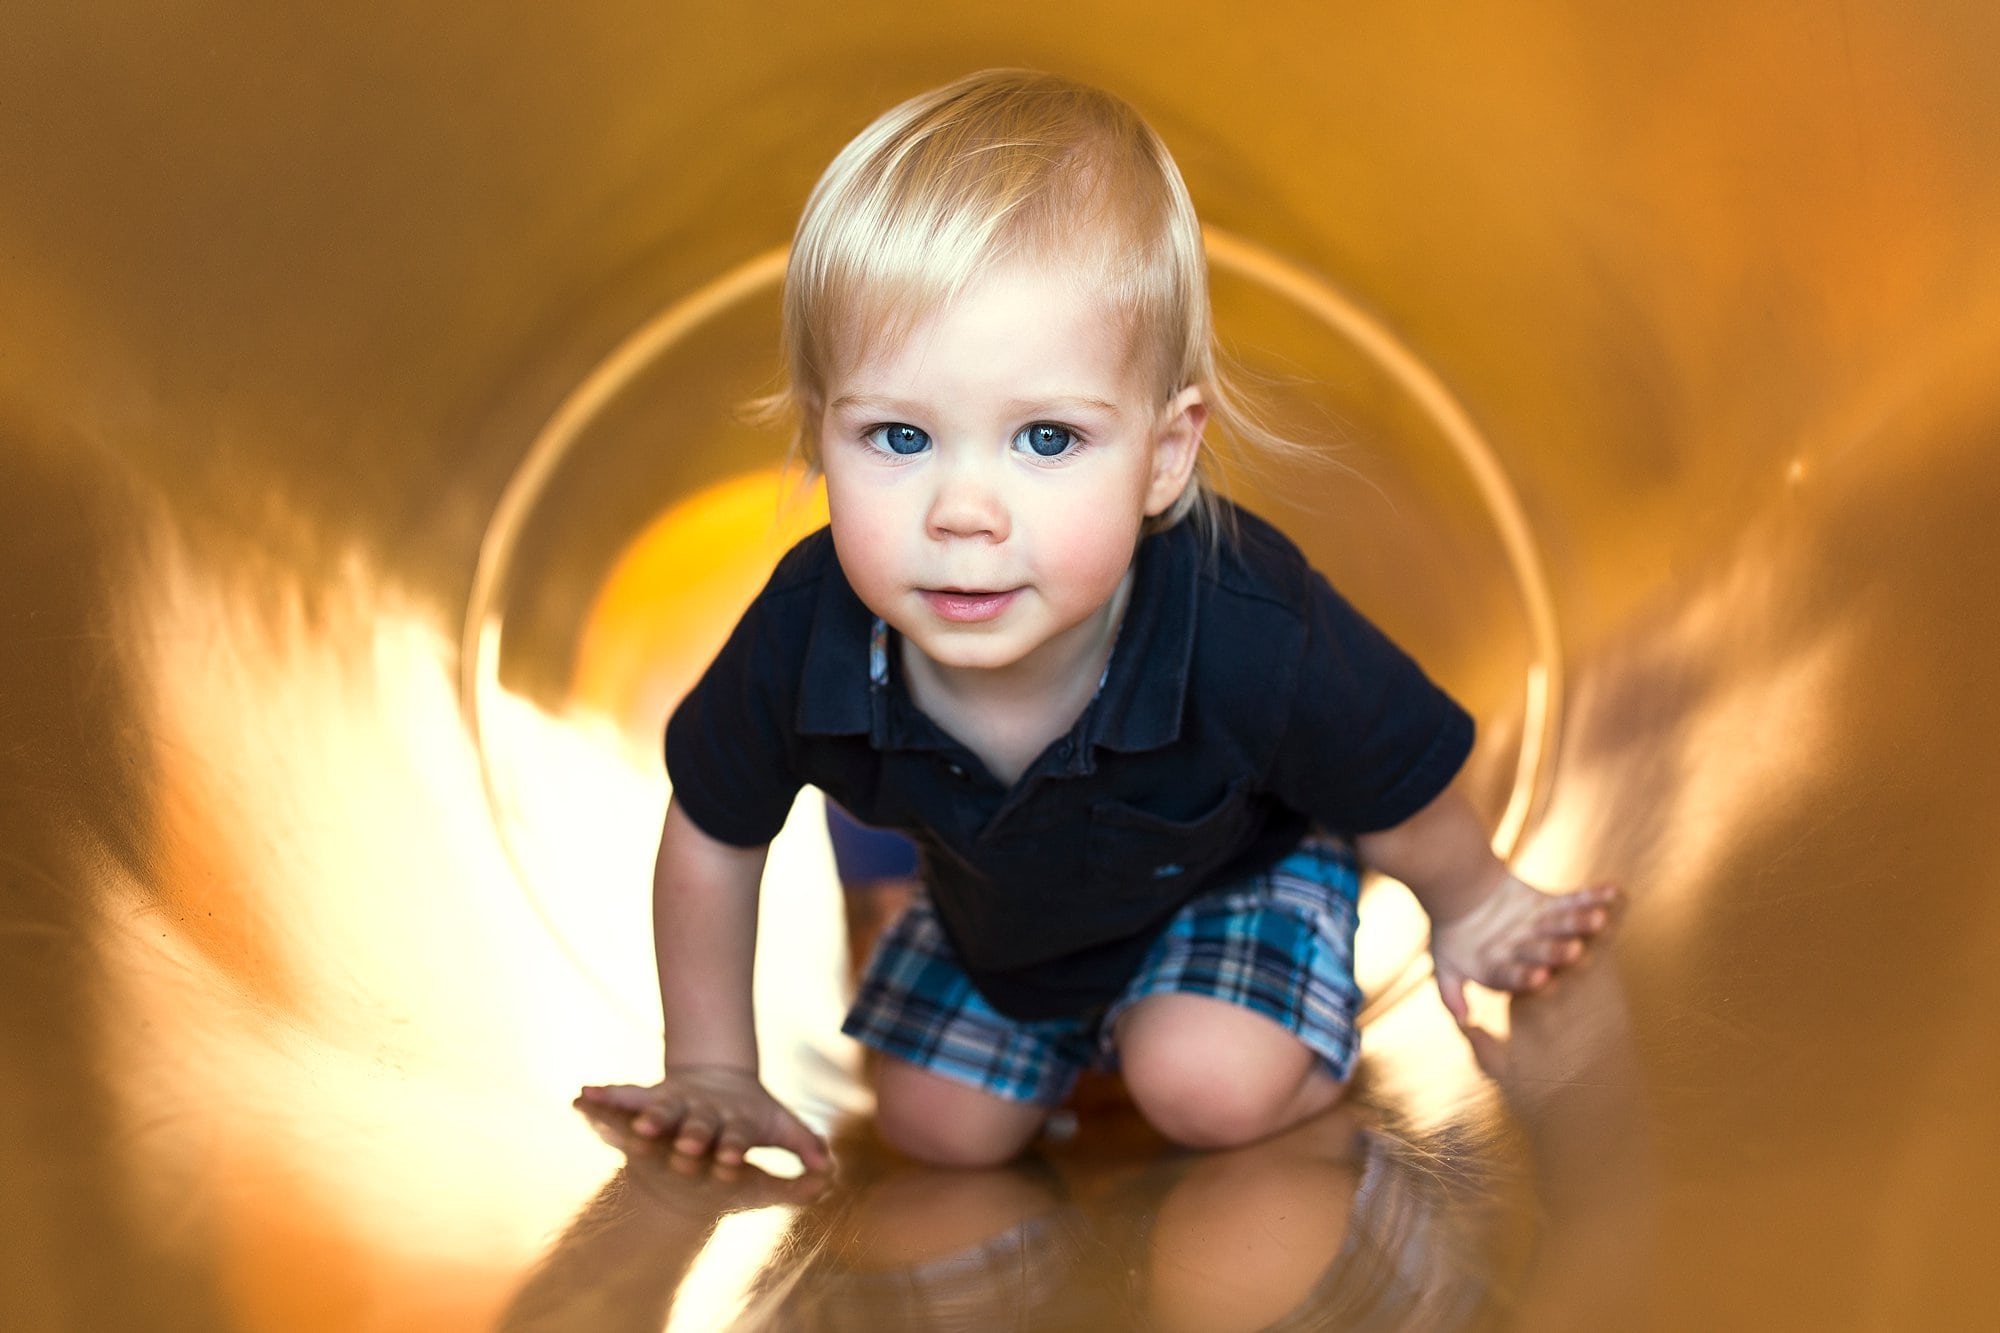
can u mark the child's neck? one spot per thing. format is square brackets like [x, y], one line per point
[1008, 716]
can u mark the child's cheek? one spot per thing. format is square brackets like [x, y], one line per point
[1087, 551]
[867, 556]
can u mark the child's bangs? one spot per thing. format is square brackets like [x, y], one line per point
[936, 215]
[901, 267]
[874, 296]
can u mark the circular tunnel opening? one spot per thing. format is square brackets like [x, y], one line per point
[649, 509]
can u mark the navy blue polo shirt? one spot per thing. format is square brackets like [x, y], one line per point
[1245, 700]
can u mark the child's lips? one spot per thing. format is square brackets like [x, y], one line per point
[967, 606]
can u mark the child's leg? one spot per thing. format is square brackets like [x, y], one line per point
[958, 1083]
[1211, 1074]
[948, 1123]
[878, 879]
[1240, 1023]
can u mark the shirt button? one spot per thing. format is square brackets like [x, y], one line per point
[957, 770]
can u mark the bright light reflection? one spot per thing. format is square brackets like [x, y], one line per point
[347, 1044]
[716, 1290]
[346, 1040]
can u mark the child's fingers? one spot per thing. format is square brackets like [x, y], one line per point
[696, 1134]
[1518, 977]
[1602, 898]
[1573, 923]
[655, 1122]
[1549, 951]
[1578, 918]
[730, 1144]
[658, 1114]
[1451, 988]
[624, 1096]
[737, 1136]
[810, 1148]
[652, 1114]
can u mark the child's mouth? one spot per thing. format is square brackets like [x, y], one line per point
[965, 607]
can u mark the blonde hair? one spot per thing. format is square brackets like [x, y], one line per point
[1006, 166]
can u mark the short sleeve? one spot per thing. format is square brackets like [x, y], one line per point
[728, 749]
[1370, 739]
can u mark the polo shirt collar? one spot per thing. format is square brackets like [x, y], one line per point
[834, 694]
[1142, 701]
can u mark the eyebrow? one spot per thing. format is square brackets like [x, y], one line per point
[1059, 402]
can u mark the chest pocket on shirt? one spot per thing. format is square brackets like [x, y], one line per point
[1135, 851]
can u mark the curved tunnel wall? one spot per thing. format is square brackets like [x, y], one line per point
[289, 295]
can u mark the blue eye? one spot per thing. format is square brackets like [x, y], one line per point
[898, 438]
[1045, 439]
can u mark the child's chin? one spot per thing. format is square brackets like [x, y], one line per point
[969, 656]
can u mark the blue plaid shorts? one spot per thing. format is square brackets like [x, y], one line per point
[1280, 943]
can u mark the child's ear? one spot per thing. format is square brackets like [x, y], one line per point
[1176, 447]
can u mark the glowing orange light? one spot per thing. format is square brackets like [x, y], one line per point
[674, 594]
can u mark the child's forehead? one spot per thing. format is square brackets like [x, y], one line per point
[1032, 297]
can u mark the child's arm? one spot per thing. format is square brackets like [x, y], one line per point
[705, 936]
[1486, 925]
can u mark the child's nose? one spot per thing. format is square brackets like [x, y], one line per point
[968, 503]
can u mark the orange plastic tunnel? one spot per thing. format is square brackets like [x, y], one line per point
[374, 476]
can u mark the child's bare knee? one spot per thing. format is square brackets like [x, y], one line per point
[1210, 1079]
[1197, 1110]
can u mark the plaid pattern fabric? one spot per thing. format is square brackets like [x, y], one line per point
[1280, 943]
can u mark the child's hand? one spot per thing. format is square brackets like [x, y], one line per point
[1517, 940]
[712, 1110]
